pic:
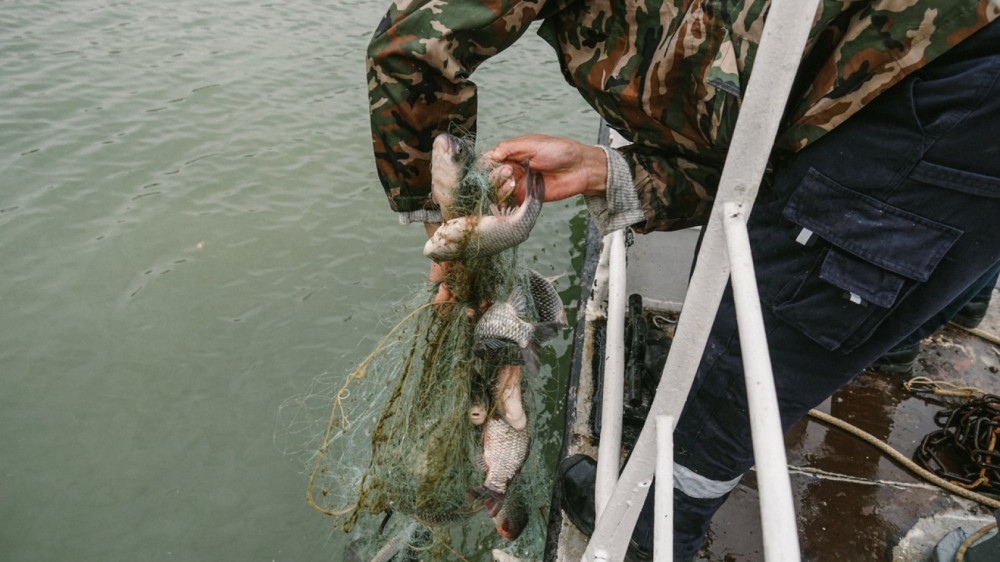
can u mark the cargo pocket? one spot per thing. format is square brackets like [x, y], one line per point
[871, 255]
[957, 180]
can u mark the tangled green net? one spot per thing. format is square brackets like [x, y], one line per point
[397, 461]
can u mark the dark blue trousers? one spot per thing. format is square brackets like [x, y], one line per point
[859, 241]
[981, 289]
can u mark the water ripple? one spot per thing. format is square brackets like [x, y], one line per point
[191, 229]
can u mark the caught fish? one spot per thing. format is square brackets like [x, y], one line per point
[484, 235]
[450, 160]
[512, 517]
[502, 326]
[477, 413]
[548, 305]
[504, 452]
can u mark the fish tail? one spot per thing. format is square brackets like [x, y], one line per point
[544, 331]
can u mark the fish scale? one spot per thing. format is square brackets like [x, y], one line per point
[502, 326]
[548, 305]
[504, 451]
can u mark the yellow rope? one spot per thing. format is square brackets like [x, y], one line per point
[941, 388]
[905, 461]
[977, 332]
[960, 555]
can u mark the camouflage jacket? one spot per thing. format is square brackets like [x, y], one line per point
[667, 74]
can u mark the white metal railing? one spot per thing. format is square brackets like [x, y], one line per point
[609, 449]
[724, 253]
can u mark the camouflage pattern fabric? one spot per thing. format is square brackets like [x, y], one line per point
[668, 75]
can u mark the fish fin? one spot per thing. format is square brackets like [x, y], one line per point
[493, 505]
[550, 280]
[535, 186]
[502, 213]
[530, 355]
[544, 331]
[492, 500]
[516, 300]
[491, 343]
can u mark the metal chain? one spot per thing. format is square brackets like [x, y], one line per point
[964, 450]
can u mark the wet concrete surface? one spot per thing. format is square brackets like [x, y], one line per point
[852, 501]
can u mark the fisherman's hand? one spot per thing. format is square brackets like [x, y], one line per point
[568, 167]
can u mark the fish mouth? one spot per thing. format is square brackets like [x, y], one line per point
[460, 151]
[445, 142]
[450, 145]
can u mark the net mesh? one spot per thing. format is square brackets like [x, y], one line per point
[399, 452]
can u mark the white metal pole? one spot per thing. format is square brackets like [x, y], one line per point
[663, 525]
[599, 293]
[777, 510]
[782, 42]
[609, 450]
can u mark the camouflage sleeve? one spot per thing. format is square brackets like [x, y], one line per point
[675, 192]
[619, 207]
[857, 52]
[670, 85]
[419, 62]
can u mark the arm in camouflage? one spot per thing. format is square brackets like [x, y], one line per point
[419, 62]
[672, 84]
[667, 74]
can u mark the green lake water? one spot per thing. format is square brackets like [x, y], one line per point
[191, 232]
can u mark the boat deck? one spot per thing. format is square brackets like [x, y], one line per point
[852, 501]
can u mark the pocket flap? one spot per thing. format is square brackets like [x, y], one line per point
[876, 232]
[870, 282]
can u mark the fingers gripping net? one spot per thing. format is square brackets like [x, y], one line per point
[399, 437]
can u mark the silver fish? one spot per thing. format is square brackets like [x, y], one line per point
[484, 235]
[548, 305]
[501, 326]
[450, 160]
[504, 452]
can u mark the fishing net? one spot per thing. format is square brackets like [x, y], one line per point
[398, 459]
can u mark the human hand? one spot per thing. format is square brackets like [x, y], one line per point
[568, 167]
